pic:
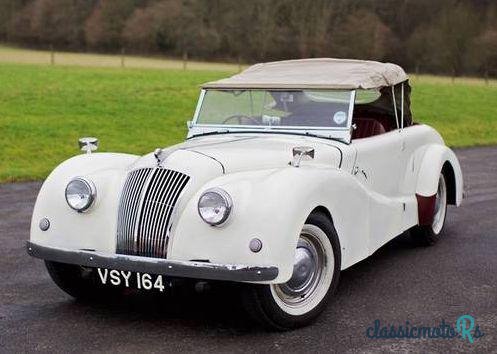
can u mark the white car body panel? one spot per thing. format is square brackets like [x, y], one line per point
[368, 188]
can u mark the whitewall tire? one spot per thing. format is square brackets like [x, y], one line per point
[315, 276]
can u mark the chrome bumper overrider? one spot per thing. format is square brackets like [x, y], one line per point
[190, 269]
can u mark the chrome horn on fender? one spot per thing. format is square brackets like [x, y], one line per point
[300, 152]
[88, 144]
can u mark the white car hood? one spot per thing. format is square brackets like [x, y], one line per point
[235, 153]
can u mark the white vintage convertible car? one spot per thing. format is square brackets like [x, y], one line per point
[291, 172]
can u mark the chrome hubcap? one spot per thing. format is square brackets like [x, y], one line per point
[307, 270]
[440, 206]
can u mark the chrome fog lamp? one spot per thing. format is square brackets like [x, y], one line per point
[214, 206]
[80, 194]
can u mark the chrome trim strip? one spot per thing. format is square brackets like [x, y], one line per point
[395, 108]
[165, 226]
[351, 112]
[184, 269]
[270, 128]
[140, 208]
[128, 206]
[149, 198]
[342, 135]
[163, 212]
[199, 106]
[402, 108]
[148, 229]
[210, 157]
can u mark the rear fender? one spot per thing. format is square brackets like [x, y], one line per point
[435, 159]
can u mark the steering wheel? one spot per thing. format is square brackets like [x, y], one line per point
[240, 117]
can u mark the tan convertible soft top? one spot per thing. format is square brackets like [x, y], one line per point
[319, 73]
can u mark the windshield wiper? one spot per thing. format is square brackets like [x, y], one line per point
[269, 132]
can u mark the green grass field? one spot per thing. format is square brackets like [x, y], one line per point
[44, 109]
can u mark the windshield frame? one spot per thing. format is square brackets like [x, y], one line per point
[338, 133]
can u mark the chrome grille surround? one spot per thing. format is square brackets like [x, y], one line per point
[146, 206]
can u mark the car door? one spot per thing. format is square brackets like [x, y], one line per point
[378, 161]
[379, 166]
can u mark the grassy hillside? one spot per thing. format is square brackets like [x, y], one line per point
[44, 109]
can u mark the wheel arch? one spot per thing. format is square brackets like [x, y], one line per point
[450, 181]
[435, 160]
[323, 210]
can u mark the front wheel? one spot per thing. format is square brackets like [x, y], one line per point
[316, 271]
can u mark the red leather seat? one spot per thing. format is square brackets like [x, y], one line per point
[367, 127]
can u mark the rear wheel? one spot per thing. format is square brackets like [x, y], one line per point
[427, 235]
[316, 270]
[80, 282]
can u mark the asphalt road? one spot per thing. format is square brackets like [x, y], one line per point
[399, 283]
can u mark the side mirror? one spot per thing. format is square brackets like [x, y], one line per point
[88, 144]
[189, 124]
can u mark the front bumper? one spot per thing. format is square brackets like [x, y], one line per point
[184, 269]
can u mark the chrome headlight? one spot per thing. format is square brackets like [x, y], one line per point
[80, 194]
[214, 206]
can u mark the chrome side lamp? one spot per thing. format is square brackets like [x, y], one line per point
[301, 152]
[88, 144]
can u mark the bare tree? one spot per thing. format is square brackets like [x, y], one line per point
[104, 27]
[362, 35]
[20, 27]
[484, 52]
[60, 22]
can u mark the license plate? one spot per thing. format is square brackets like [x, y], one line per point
[128, 279]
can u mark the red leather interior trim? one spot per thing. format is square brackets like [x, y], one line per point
[366, 127]
[426, 209]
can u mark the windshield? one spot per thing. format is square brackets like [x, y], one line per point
[295, 109]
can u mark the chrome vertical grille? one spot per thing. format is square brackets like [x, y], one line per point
[128, 210]
[145, 210]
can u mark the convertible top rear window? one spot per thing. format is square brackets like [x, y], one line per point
[379, 105]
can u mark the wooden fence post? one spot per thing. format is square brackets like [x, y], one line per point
[122, 57]
[185, 59]
[52, 55]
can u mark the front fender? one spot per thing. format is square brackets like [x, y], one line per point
[434, 158]
[273, 205]
[67, 228]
